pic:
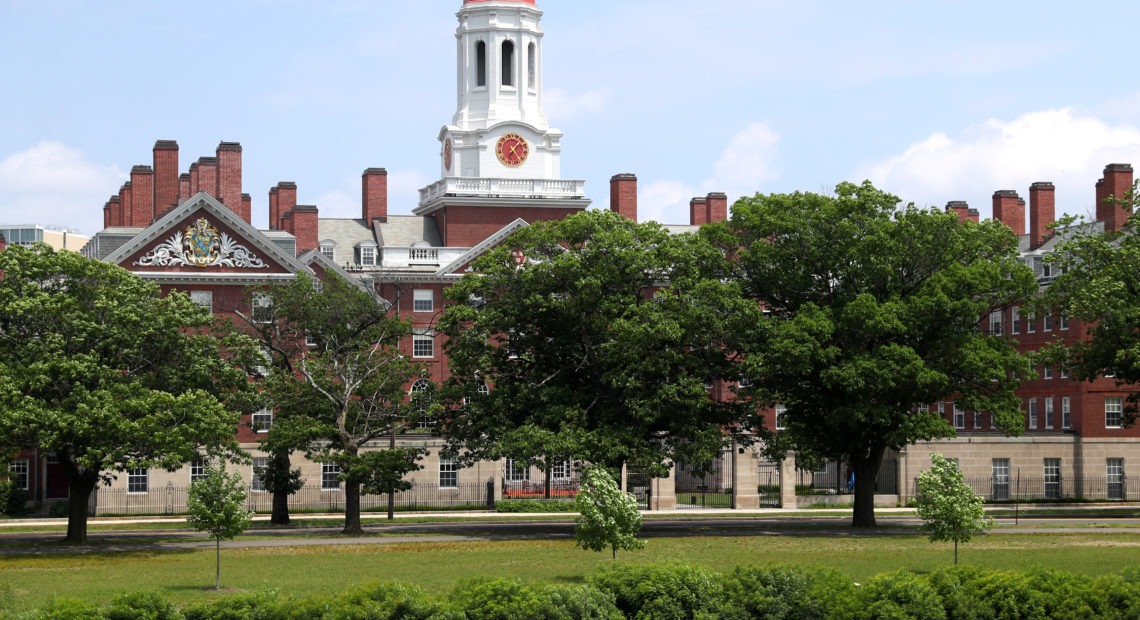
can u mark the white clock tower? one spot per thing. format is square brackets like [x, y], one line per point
[499, 142]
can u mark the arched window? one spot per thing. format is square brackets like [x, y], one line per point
[480, 63]
[420, 387]
[508, 63]
[531, 63]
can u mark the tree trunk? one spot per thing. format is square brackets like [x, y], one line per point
[391, 505]
[280, 514]
[280, 463]
[218, 563]
[352, 508]
[866, 468]
[955, 552]
[79, 489]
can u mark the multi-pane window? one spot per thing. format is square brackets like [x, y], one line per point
[1046, 372]
[1030, 323]
[1049, 412]
[996, 317]
[959, 417]
[259, 464]
[517, 472]
[19, 473]
[1066, 413]
[329, 250]
[977, 419]
[1064, 371]
[1052, 472]
[1064, 322]
[1032, 413]
[423, 300]
[781, 417]
[448, 473]
[197, 469]
[262, 308]
[561, 469]
[1113, 412]
[1000, 477]
[138, 480]
[204, 299]
[330, 476]
[1015, 320]
[1047, 322]
[262, 420]
[367, 255]
[1114, 477]
[423, 344]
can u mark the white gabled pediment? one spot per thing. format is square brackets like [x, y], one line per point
[491, 241]
[202, 238]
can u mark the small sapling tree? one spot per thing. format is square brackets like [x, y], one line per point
[608, 516]
[947, 505]
[217, 507]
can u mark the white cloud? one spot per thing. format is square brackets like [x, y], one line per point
[666, 202]
[746, 163]
[559, 104]
[1060, 146]
[54, 184]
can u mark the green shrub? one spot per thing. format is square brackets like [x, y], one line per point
[59, 509]
[249, 606]
[582, 603]
[390, 600]
[791, 592]
[1069, 596]
[956, 586]
[534, 505]
[899, 595]
[1121, 596]
[70, 609]
[667, 591]
[141, 606]
[13, 501]
[501, 599]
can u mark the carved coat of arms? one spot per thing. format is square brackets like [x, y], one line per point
[201, 245]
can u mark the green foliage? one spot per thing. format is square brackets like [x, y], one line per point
[949, 508]
[792, 593]
[598, 347]
[582, 603]
[13, 501]
[501, 599]
[245, 606]
[608, 516]
[141, 606]
[535, 505]
[106, 374]
[899, 595]
[216, 505]
[666, 592]
[872, 309]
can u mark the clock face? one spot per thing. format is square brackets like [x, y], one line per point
[512, 150]
[447, 154]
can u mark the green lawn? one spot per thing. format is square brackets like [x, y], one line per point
[183, 576]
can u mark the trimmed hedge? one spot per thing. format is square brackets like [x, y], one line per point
[672, 591]
[534, 505]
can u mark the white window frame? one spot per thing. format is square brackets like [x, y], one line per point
[1064, 322]
[197, 469]
[330, 474]
[1051, 469]
[1015, 320]
[423, 300]
[423, 344]
[1048, 412]
[1114, 470]
[513, 472]
[1113, 412]
[1047, 322]
[19, 473]
[256, 484]
[138, 480]
[781, 417]
[1030, 323]
[1032, 406]
[261, 308]
[999, 470]
[561, 469]
[368, 256]
[1066, 413]
[448, 473]
[261, 420]
[996, 322]
[204, 299]
[1046, 372]
[329, 251]
[959, 417]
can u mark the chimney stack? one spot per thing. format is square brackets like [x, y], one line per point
[142, 196]
[1010, 210]
[125, 203]
[959, 208]
[286, 200]
[717, 207]
[184, 192]
[1042, 211]
[208, 175]
[698, 211]
[115, 204]
[374, 196]
[305, 228]
[229, 178]
[623, 195]
[1113, 187]
[165, 177]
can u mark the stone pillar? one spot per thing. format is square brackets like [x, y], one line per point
[745, 477]
[663, 492]
[788, 482]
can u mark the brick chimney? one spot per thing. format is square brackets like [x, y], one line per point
[107, 214]
[229, 178]
[1115, 185]
[247, 205]
[142, 196]
[1042, 211]
[274, 213]
[698, 211]
[623, 195]
[165, 177]
[974, 216]
[184, 192]
[286, 200]
[115, 204]
[126, 215]
[717, 207]
[959, 208]
[305, 228]
[1010, 210]
[194, 185]
[208, 175]
[287, 222]
[374, 196]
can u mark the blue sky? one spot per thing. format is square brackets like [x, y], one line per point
[931, 101]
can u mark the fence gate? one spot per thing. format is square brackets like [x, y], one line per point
[705, 487]
[638, 482]
[769, 487]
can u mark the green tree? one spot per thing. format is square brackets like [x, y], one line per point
[346, 387]
[949, 508]
[217, 506]
[106, 374]
[601, 345]
[872, 310]
[608, 516]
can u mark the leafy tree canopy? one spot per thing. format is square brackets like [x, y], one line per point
[873, 311]
[608, 516]
[601, 345]
[949, 508]
[106, 374]
[216, 504]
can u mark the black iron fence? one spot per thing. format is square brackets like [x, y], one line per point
[834, 477]
[709, 486]
[565, 488]
[769, 484]
[171, 500]
[1051, 488]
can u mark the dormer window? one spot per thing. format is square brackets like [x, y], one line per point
[508, 63]
[328, 248]
[366, 253]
